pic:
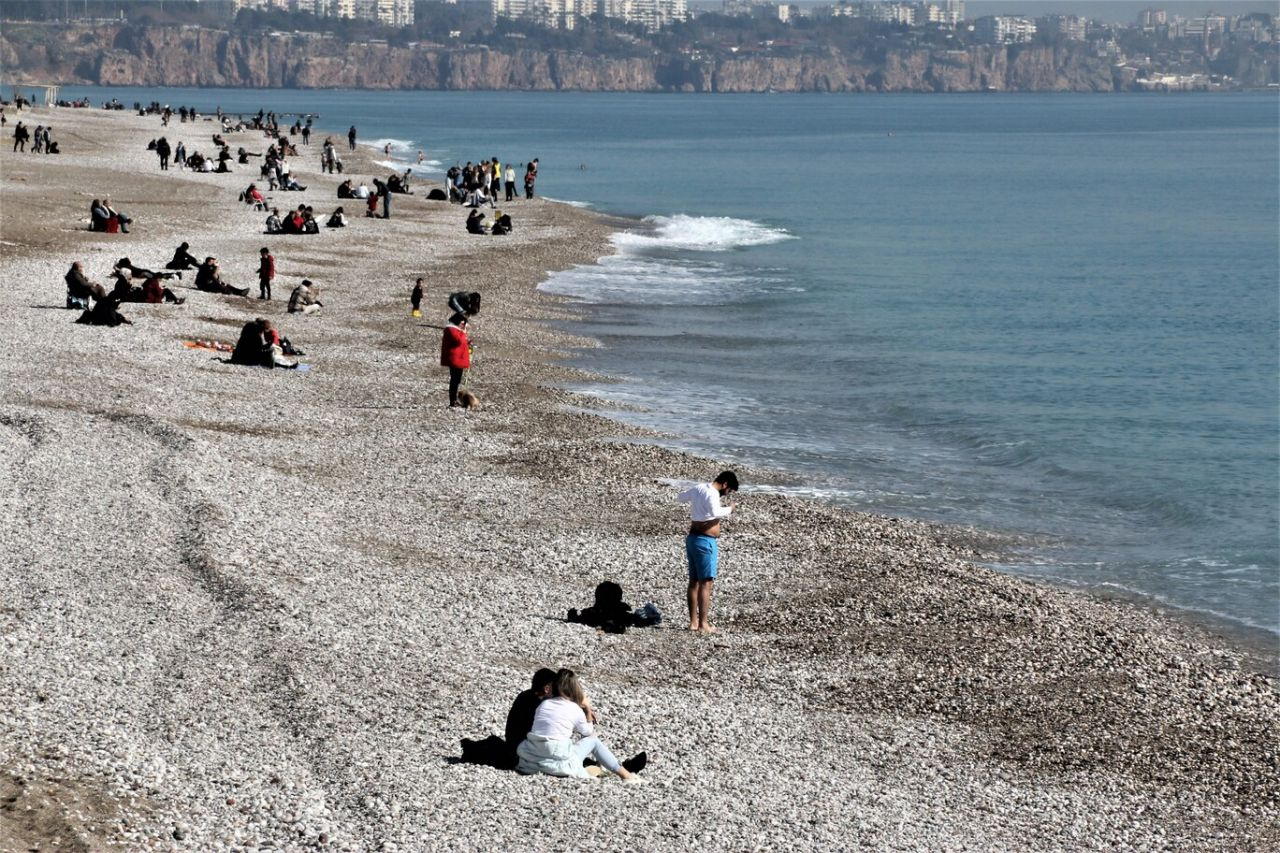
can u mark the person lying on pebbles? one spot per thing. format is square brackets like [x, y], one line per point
[124, 265]
[549, 747]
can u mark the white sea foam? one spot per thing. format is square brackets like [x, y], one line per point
[699, 233]
[635, 279]
[582, 204]
[396, 144]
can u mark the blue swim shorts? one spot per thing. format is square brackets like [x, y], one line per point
[704, 554]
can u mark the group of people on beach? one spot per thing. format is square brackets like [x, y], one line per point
[479, 184]
[551, 727]
[40, 139]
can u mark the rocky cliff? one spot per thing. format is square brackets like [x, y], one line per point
[173, 56]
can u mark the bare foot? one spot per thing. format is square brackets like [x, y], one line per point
[708, 629]
[693, 627]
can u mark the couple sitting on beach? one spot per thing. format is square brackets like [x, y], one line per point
[539, 734]
[103, 217]
[260, 345]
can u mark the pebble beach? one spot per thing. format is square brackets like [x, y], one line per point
[247, 609]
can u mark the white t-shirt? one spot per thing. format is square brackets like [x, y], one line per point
[559, 718]
[704, 502]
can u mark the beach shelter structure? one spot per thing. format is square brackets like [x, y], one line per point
[50, 92]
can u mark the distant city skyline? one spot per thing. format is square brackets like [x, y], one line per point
[1112, 11]
[1122, 11]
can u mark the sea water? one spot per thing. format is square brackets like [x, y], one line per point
[1054, 316]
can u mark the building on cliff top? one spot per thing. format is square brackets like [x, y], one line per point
[393, 13]
[562, 14]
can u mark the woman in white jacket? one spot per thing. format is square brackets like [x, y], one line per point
[549, 747]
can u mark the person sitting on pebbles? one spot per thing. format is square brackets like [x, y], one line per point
[209, 279]
[80, 290]
[183, 259]
[274, 223]
[305, 298]
[119, 217]
[259, 346]
[475, 223]
[549, 747]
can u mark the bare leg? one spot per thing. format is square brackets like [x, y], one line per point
[693, 605]
[704, 606]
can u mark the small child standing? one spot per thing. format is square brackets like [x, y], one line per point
[415, 299]
[266, 272]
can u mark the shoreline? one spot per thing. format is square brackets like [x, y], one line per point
[414, 549]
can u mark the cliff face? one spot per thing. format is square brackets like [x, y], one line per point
[170, 56]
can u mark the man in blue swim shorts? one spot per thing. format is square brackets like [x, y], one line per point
[702, 545]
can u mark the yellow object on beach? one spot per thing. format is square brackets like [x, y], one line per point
[417, 313]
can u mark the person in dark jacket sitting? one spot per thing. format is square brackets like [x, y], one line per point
[475, 222]
[465, 302]
[183, 259]
[259, 346]
[99, 217]
[209, 279]
[105, 312]
[80, 291]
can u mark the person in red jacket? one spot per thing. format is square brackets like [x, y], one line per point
[455, 354]
[266, 272]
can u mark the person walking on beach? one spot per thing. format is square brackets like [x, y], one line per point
[702, 545]
[20, 136]
[266, 272]
[511, 182]
[163, 151]
[455, 354]
[351, 138]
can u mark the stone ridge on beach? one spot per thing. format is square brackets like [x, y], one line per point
[247, 609]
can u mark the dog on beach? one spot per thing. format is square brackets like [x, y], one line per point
[467, 400]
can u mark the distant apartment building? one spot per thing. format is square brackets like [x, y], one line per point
[1071, 27]
[563, 14]
[1149, 18]
[1199, 28]
[393, 13]
[652, 14]
[893, 13]
[1004, 29]
[948, 12]
[552, 14]
[756, 9]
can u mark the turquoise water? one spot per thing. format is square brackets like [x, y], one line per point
[1050, 315]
